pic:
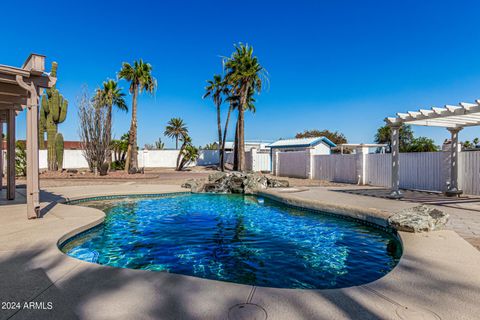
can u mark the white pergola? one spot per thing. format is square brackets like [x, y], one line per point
[453, 118]
[20, 89]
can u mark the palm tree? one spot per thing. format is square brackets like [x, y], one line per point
[186, 140]
[140, 77]
[244, 71]
[108, 96]
[216, 88]
[175, 129]
[189, 154]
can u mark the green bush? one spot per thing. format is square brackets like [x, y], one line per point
[20, 159]
[117, 165]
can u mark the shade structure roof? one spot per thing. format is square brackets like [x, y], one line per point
[462, 115]
[14, 96]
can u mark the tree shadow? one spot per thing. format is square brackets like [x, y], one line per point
[80, 290]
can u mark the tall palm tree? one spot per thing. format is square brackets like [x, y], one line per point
[176, 128]
[244, 71]
[217, 88]
[140, 77]
[108, 96]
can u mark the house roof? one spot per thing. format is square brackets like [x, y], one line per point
[302, 142]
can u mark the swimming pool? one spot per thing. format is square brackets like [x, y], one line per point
[235, 238]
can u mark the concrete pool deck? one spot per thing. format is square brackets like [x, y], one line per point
[437, 277]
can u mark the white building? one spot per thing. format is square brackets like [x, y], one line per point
[249, 144]
[318, 145]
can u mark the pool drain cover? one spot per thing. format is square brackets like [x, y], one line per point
[247, 311]
[417, 314]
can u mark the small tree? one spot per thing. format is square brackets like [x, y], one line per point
[211, 146]
[94, 133]
[383, 135]
[336, 137]
[20, 159]
[422, 144]
[159, 145]
[188, 153]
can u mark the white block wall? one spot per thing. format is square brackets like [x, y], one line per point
[74, 159]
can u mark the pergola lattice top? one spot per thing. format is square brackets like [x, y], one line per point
[463, 115]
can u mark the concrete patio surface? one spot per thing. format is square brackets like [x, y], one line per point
[437, 277]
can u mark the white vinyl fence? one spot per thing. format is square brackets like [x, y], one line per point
[255, 160]
[292, 164]
[258, 161]
[335, 167]
[418, 171]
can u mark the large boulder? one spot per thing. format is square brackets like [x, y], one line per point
[234, 182]
[195, 185]
[217, 176]
[254, 182]
[419, 219]
[278, 183]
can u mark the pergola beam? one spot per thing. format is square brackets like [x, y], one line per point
[448, 114]
[454, 118]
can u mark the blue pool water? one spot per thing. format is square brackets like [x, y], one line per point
[242, 239]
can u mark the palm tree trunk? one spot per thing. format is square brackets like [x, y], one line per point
[219, 125]
[176, 142]
[179, 157]
[241, 126]
[225, 136]
[132, 143]
[235, 147]
[109, 135]
[241, 140]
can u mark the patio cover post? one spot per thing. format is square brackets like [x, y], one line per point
[453, 187]
[33, 201]
[11, 154]
[395, 183]
[1, 155]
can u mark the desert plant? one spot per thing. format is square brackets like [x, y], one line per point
[159, 145]
[59, 146]
[189, 154]
[140, 77]
[93, 132]
[53, 111]
[108, 96]
[20, 159]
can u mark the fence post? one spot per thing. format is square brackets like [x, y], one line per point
[309, 158]
[361, 159]
[253, 160]
[275, 161]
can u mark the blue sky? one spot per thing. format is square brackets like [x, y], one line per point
[337, 65]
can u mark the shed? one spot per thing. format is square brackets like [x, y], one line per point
[319, 145]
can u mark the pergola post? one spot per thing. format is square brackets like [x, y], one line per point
[11, 154]
[395, 146]
[1, 155]
[453, 189]
[33, 200]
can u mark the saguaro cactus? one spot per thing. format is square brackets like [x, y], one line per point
[59, 150]
[52, 112]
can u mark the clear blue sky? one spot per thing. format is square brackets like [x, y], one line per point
[337, 65]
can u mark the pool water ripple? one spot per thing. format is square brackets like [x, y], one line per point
[238, 239]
